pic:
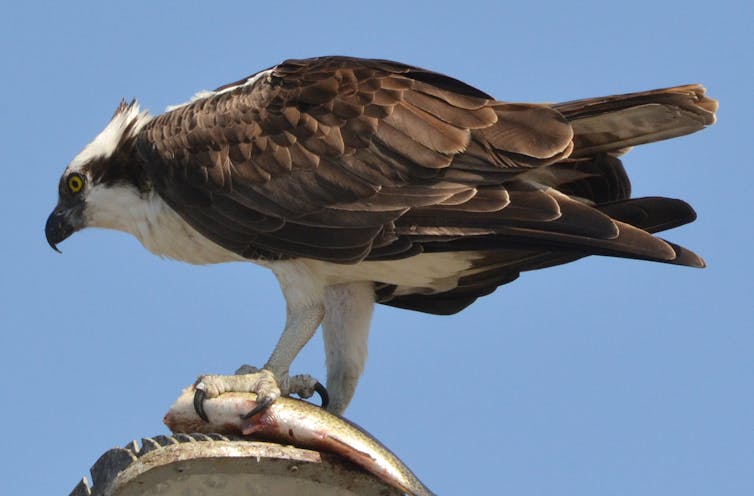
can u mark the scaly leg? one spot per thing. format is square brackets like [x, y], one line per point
[304, 294]
[345, 330]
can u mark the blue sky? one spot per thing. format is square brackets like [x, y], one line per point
[600, 377]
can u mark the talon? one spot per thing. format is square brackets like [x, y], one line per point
[199, 396]
[261, 406]
[323, 395]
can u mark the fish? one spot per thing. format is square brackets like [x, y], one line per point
[298, 423]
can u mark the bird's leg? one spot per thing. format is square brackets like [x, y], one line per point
[272, 380]
[345, 328]
[305, 310]
[300, 326]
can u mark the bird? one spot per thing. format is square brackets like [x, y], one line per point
[362, 181]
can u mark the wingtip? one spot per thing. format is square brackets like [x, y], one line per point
[684, 256]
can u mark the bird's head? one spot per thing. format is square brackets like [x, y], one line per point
[100, 179]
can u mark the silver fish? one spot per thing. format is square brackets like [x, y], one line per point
[297, 423]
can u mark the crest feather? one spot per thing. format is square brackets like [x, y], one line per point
[127, 120]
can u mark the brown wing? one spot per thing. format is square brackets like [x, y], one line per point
[318, 157]
[345, 159]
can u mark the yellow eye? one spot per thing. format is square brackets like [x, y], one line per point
[75, 183]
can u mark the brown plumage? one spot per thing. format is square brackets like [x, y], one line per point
[346, 160]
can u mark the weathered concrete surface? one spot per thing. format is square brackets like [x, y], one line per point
[199, 464]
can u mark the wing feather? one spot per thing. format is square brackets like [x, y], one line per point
[344, 159]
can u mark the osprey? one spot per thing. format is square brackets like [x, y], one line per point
[360, 181]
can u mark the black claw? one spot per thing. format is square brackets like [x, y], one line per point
[199, 397]
[323, 395]
[266, 402]
[261, 405]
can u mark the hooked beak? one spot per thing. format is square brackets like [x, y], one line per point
[61, 223]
